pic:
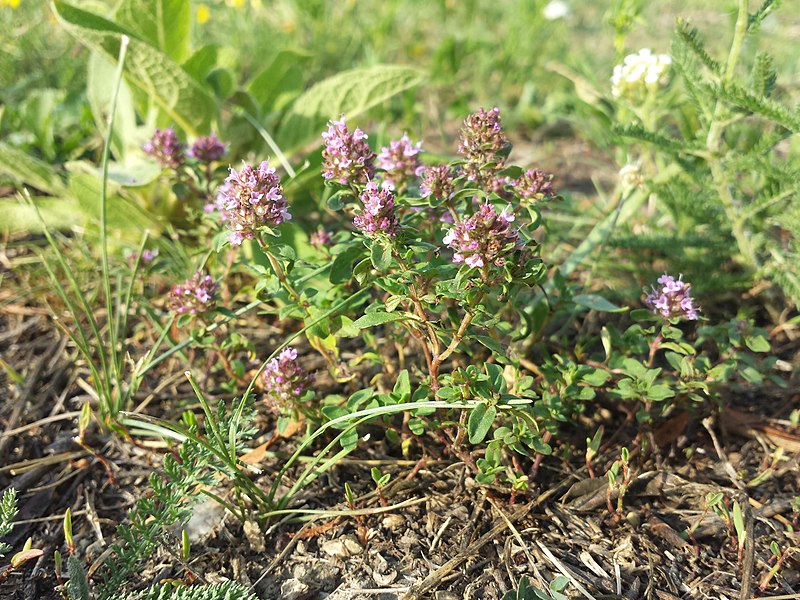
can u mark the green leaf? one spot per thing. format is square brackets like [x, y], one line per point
[342, 267]
[162, 80]
[738, 523]
[681, 348]
[495, 373]
[99, 91]
[480, 421]
[123, 214]
[659, 392]
[381, 256]
[402, 387]
[280, 82]
[392, 302]
[57, 213]
[598, 303]
[30, 171]
[349, 93]
[202, 62]
[500, 352]
[379, 318]
[596, 377]
[751, 375]
[757, 343]
[165, 24]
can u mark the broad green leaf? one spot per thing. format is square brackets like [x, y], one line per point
[123, 214]
[480, 421]
[165, 24]
[279, 83]
[136, 171]
[57, 213]
[342, 267]
[202, 62]
[99, 91]
[173, 90]
[595, 302]
[29, 170]
[349, 93]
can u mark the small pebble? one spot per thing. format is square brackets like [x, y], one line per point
[634, 518]
[293, 589]
[393, 522]
[345, 547]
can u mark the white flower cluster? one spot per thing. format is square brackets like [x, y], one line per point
[630, 176]
[642, 70]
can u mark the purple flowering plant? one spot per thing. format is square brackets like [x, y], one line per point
[435, 268]
[193, 170]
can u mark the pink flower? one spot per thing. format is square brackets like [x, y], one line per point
[166, 148]
[401, 162]
[482, 143]
[378, 215]
[284, 380]
[347, 157]
[194, 296]
[250, 199]
[484, 238]
[672, 298]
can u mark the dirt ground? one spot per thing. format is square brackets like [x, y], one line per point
[435, 533]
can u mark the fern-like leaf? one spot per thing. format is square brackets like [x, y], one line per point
[8, 510]
[746, 100]
[764, 76]
[690, 38]
[77, 586]
[754, 20]
[661, 140]
[222, 591]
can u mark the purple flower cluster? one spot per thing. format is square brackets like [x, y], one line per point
[347, 158]
[486, 238]
[401, 162]
[320, 238]
[438, 181]
[193, 296]
[672, 298]
[378, 215]
[534, 185]
[166, 148]
[481, 144]
[207, 149]
[284, 380]
[251, 198]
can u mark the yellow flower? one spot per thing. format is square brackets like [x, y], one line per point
[11, 3]
[203, 14]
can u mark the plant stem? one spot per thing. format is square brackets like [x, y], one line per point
[714, 144]
[281, 274]
[421, 313]
[440, 357]
[113, 401]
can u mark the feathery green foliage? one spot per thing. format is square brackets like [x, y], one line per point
[725, 133]
[220, 591]
[8, 510]
[189, 476]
